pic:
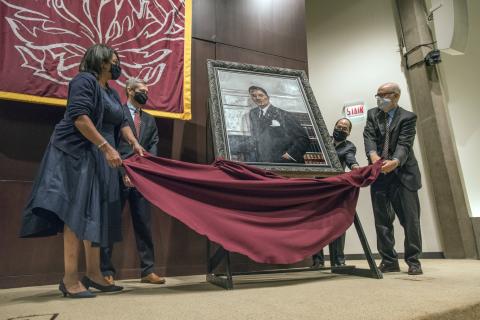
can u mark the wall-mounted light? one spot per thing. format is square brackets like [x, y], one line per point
[433, 57]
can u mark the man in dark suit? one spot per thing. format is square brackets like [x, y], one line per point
[278, 137]
[145, 129]
[389, 135]
[346, 151]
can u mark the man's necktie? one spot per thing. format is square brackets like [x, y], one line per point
[137, 121]
[387, 137]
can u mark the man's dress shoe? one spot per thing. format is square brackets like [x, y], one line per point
[153, 278]
[415, 270]
[389, 267]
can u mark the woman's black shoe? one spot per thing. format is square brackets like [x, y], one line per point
[87, 282]
[82, 294]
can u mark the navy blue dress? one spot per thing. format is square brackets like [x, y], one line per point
[74, 185]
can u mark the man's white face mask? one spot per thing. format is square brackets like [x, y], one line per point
[383, 103]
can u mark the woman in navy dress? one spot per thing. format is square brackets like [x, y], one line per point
[76, 190]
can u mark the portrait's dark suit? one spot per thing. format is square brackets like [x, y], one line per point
[139, 207]
[275, 133]
[346, 151]
[397, 191]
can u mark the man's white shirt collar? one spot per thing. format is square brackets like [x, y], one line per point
[131, 108]
[264, 110]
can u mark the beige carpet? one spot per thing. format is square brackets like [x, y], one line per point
[449, 289]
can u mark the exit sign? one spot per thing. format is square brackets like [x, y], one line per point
[354, 110]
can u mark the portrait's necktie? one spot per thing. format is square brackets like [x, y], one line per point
[137, 121]
[387, 137]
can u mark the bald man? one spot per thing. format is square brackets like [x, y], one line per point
[388, 136]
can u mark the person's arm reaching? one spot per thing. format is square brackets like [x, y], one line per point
[86, 127]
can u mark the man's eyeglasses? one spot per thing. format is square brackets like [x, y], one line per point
[344, 129]
[382, 95]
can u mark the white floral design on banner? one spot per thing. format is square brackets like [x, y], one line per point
[139, 30]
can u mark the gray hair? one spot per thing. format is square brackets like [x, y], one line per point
[133, 83]
[393, 86]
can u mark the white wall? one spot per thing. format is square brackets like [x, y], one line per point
[352, 49]
[460, 77]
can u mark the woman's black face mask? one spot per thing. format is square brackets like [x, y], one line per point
[116, 71]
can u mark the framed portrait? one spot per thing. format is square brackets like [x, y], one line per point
[268, 117]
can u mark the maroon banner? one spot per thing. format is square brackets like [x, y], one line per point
[43, 42]
[264, 216]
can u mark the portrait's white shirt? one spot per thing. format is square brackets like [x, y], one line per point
[264, 110]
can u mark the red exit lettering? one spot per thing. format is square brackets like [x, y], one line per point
[354, 110]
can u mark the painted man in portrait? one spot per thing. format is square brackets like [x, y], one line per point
[277, 135]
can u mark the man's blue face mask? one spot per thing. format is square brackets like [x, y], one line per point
[383, 103]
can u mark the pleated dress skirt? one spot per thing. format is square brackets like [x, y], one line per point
[82, 193]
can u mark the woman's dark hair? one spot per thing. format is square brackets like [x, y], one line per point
[94, 57]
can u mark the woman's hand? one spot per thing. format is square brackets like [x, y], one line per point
[111, 155]
[138, 149]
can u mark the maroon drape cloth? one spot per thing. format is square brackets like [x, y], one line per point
[269, 218]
